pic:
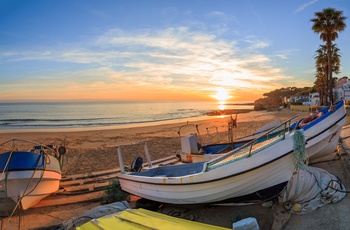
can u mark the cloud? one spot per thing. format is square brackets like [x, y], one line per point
[176, 58]
[89, 10]
[284, 54]
[302, 7]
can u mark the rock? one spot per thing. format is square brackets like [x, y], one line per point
[249, 223]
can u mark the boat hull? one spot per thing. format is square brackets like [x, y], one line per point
[214, 190]
[207, 182]
[28, 177]
[325, 144]
[29, 187]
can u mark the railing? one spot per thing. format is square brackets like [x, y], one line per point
[262, 142]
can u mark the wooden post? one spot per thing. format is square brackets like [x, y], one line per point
[148, 156]
[120, 157]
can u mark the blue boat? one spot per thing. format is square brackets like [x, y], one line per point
[29, 176]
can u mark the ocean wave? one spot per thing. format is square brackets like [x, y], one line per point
[80, 115]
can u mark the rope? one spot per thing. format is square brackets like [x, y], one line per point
[6, 165]
[300, 159]
[320, 183]
[43, 158]
[8, 160]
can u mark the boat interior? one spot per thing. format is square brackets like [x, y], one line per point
[172, 171]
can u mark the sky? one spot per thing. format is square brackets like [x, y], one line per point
[120, 50]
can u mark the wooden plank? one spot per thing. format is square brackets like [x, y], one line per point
[88, 180]
[86, 187]
[92, 182]
[96, 182]
[89, 175]
[55, 200]
[110, 171]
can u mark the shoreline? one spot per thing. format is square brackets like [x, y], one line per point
[207, 115]
[210, 115]
[96, 128]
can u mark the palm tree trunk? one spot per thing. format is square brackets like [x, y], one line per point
[326, 86]
[329, 72]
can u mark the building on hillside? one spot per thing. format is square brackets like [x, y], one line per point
[294, 99]
[343, 89]
[313, 100]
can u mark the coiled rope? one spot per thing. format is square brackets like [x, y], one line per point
[300, 158]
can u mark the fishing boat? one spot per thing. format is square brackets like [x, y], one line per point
[267, 161]
[29, 176]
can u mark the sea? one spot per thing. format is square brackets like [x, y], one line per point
[85, 115]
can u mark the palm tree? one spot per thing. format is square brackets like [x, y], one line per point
[322, 70]
[319, 85]
[328, 23]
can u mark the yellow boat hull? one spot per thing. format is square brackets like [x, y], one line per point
[143, 219]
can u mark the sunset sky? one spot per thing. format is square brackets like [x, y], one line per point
[89, 50]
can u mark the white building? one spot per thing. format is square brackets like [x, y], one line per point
[314, 99]
[343, 89]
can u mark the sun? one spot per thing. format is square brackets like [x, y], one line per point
[221, 95]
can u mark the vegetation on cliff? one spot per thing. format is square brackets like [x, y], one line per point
[328, 23]
[274, 99]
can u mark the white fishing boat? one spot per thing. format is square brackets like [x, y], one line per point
[29, 176]
[260, 164]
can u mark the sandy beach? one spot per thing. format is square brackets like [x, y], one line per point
[94, 150]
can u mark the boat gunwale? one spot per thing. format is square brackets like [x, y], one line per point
[326, 113]
[32, 169]
[44, 165]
